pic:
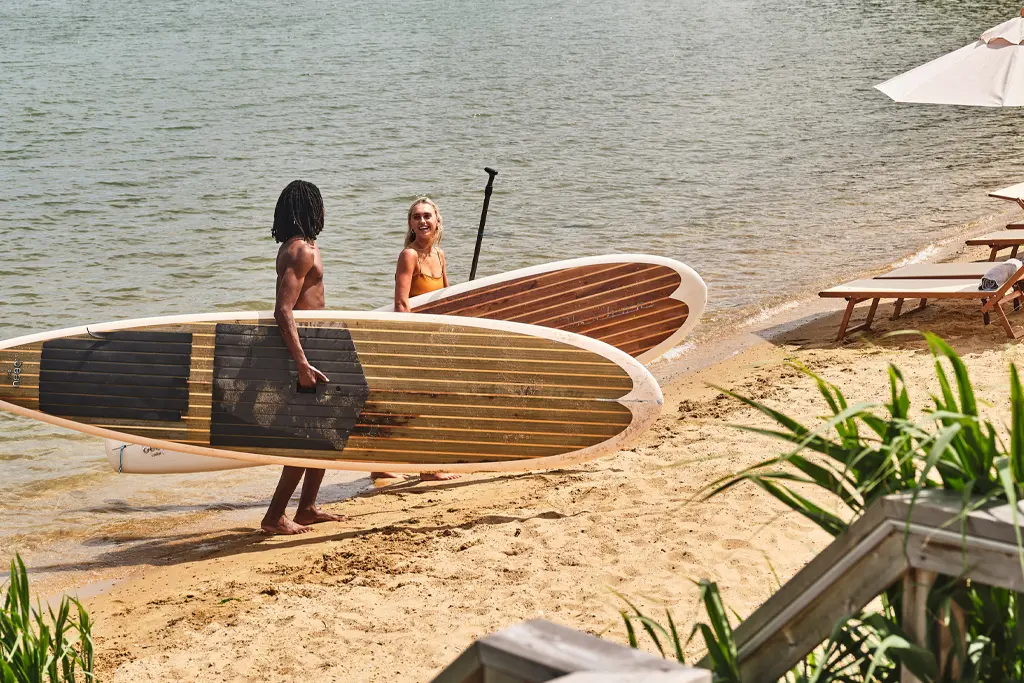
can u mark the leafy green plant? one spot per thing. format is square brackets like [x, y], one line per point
[869, 647]
[858, 454]
[36, 646]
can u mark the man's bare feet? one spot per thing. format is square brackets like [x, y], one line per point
[315, 516]
[387, 475]
[283, 526]
[438, 476]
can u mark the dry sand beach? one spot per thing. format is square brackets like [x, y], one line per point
[422, 569]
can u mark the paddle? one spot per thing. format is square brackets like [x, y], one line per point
[483, 219]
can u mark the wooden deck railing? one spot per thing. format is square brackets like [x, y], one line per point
[538, 650]
[896, 539]
[892, 541]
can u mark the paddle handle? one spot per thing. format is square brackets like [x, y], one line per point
[483, 219]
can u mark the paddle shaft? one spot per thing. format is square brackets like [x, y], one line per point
[483, 219]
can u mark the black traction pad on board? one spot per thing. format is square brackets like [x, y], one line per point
[256, 402]
[119, 376]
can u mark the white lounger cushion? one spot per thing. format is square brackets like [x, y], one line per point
[919, 271]
[931, 288]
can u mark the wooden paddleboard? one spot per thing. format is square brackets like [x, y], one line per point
[641, 304]
[409, 393]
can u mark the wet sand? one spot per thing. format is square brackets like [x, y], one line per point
[422, 569]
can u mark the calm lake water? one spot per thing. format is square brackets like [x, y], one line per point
[143, 147]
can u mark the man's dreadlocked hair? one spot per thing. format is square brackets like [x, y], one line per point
[299, 212]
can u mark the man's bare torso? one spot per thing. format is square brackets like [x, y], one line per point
[311, 294]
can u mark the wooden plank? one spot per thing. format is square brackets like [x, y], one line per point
[477, 434]
[115, 357]
[283, 379]
[648, 330]
[390, 456]
[1000, 238]
[599, 305]
[345, 420]
[585, 404]
[751, 632]
[58, 378]
[895, 534]
[850, 590]
[914, 617]
[131, 336]
[77, 411]
[416, 349]
[183, 433]
[539, 650]
[494, 418]
[54, 403]
[182, 344]
[103, 368]
[484, 387]
[466, 303]
[456, 411]
[641, 345]
[624, 319]
[487, 424]
[569, 295]
[477, 448]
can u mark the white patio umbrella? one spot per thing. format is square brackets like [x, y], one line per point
[987, 73]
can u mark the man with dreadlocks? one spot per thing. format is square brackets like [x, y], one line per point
[298, 219]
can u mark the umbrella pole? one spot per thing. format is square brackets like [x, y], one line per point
[483, 219]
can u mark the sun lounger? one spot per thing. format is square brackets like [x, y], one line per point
[938, 271]
[1013, 192]
[876, 289]
[997, 241]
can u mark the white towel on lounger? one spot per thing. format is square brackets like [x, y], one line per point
[998, 274]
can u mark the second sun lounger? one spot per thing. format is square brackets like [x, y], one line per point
[997, 241]
[876, 289]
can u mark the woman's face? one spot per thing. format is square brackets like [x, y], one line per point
[423, 222]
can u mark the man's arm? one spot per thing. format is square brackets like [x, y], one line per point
[289, 286]
[403, 279]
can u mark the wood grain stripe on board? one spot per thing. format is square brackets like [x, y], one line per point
[595, 418]
[522, 287]
[572, 299]
[393, 455]
[570, 286]
[598, 306]
[628, 318]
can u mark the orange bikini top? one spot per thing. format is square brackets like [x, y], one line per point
[422, 283]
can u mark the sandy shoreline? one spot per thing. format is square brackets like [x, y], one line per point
[422, 569]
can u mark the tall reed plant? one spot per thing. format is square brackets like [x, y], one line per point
[38, 646]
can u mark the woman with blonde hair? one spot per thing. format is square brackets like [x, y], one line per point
[421, 265]
[421, 269]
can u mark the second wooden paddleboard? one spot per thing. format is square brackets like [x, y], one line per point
[639, 303]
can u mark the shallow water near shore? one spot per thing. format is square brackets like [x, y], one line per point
[143, 148]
